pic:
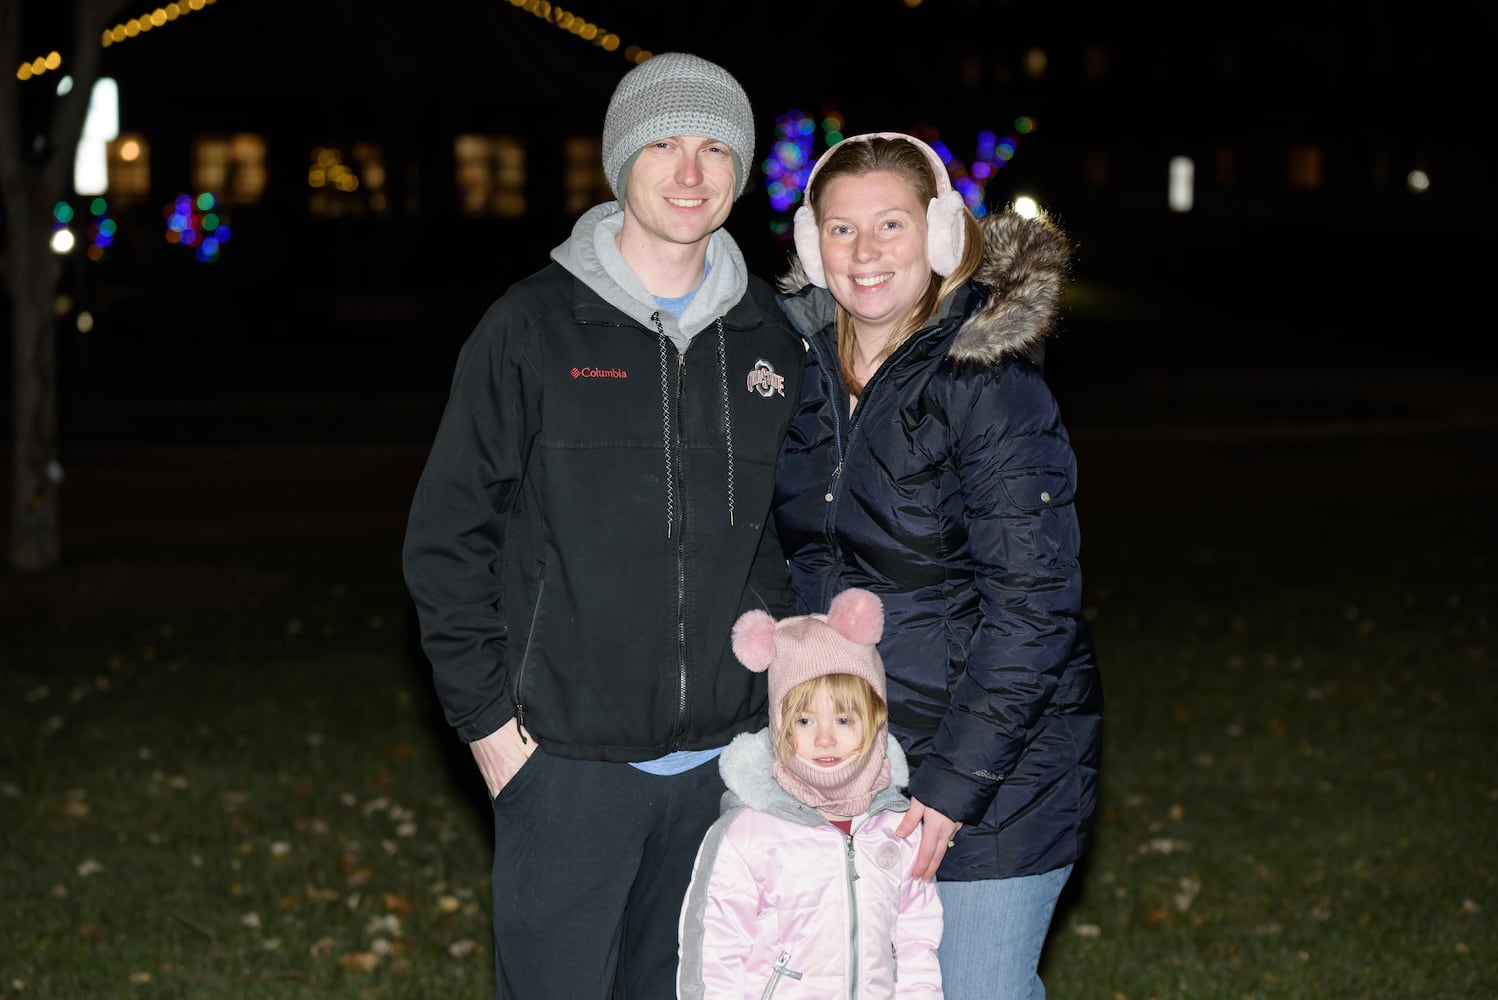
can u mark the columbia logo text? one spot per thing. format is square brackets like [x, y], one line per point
[599, 373]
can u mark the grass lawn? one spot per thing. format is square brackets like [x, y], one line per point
[238, 784]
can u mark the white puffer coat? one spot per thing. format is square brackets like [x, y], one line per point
[785, 906]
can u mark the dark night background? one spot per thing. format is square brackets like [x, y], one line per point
[1274, 339]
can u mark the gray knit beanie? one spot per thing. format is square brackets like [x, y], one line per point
[676, 94]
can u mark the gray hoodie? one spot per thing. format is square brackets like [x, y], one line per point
[591, 253]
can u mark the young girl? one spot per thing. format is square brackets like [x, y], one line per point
[802, 888]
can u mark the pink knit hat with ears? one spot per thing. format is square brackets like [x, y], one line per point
[843, 641]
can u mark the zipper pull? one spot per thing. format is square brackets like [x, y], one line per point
[832, 482]
[520, 721]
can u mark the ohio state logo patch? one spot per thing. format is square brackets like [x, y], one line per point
[765, 380]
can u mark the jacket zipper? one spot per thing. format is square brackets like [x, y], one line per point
[832, 381]
[525, 660]
[837, 416]
[681, 567]
[852, 919]
[776, 973]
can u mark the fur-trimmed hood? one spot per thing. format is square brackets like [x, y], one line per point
[1025, 268]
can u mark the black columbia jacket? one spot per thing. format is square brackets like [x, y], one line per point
[950, 493]
[592, 518]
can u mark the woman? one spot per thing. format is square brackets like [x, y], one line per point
[927, 462]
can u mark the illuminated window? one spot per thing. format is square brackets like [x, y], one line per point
[129, 158]
[1181, 188]
[584, 182]
[232, 166]
[1304, 167]
[490, 175]
[1035, 63]
[348, 183]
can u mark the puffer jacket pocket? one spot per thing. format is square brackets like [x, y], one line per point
[1035, 490]
[1041, 521]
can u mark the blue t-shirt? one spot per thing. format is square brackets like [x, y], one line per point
[678, 305]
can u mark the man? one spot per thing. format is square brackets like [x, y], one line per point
[592, 519]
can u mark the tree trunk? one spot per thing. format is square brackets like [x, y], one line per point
[35, 172]
[35, 531]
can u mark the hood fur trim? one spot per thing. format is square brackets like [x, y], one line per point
[794, 279]
[1026, 266]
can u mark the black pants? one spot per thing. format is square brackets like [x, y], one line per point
[591, 863]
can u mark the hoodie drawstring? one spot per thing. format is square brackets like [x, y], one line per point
[727, 417]
[660, 336]
[660, 333]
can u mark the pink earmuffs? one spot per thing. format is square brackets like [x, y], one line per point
[945, 230]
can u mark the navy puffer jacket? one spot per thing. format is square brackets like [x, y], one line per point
[950, 493]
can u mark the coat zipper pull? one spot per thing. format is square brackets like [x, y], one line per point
[520, 721]
[775, 974]
[833, 482]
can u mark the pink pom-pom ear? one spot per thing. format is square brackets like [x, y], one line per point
[754, 640]
[857, 615]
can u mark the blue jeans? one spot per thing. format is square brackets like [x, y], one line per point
[992, 934]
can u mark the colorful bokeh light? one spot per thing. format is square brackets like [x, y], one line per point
[796, 149]
[101, 231]
[196, 222]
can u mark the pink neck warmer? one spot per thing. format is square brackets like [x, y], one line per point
[842, 792]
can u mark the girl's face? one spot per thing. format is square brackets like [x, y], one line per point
[873, 240]
[824, 736]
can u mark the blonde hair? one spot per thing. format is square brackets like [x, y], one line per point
[850, 694]
[906, 161]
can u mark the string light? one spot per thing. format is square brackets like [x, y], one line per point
[120, 32]
[156, 19]
[38, 66]
[575, 24]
